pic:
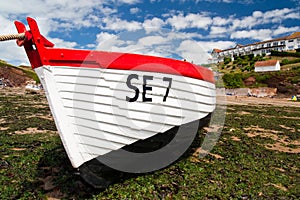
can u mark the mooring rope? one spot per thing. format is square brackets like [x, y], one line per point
[20, 36]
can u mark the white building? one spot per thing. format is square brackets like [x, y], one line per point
[267, 66]
[286, 43]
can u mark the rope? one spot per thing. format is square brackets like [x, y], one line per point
[20, 36]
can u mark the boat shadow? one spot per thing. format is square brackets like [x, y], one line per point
[56, 178]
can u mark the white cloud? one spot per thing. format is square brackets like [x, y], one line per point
[178, 22]
[12, 53]
[106, 41]
[152, 40]
[59, 43]
[261, 34]
[217, 30]
[152, 25]
[117, 24]
[210, 45]
[193, 52]
[129, 1]
[104, 36]
[134, 10]
[259, 18]
[282, 30]
[199, 21]
[220, 21]
[191, 20]
[165, 44]
[227, 1]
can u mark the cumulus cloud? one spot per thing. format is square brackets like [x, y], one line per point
[152, 40]
[152, 25]
[221, 21]
[193, 52]
[217, 30]
[134, 10]
[210, 45]
[259, 18]
[191, 20]
[118, 24]
[262, 34]
[283, 30]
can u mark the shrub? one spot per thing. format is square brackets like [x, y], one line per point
[286, 61]
[262, 77]
[233, 80]
[251, 56]
[227, 60]
[285, 54]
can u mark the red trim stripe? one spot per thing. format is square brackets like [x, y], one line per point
[124, 61]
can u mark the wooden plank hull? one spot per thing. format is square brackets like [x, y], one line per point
[94, 117]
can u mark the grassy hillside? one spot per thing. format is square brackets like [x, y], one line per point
[240, 73]
[17, 75]
[246, 63]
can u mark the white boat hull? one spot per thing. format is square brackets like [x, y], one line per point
[94, 117]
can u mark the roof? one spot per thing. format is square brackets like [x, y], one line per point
[266, 63]
[294, 35]
[217, 50]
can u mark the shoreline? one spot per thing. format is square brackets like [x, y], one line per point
[243, 100]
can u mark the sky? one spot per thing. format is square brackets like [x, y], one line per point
[182, 29]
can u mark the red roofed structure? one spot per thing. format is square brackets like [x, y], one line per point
[266, 66]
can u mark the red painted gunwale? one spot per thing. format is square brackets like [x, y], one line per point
[40, 52]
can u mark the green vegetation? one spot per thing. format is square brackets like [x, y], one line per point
[253, 159]
[227, 60]
[235, 73]
[285, 54]
[25, 69]
[262, 79]
[241, 63]
[233, 80]
[30, 73]
[4, 64]
[286, 61]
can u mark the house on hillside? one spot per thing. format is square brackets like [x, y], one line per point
[287, 43]
[267, 66]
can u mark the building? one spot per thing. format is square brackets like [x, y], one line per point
[286, 43]
[267, 66]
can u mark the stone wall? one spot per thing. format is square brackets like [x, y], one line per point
[256, 92]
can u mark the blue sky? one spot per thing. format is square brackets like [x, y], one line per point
[169, 28]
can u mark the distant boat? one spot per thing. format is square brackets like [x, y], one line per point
[105, 101]
[33, 88]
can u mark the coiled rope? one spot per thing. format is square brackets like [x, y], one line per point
[20, 36]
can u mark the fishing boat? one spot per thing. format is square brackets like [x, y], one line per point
[108, 103]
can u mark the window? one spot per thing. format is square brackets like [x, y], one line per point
[275, 43]
[269, 45]
[291, 40]
[290, 47]
[282, 42]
